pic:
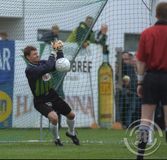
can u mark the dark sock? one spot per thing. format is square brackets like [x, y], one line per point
[143, 139]
[141, 149]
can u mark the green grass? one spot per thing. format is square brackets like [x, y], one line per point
[95, 144]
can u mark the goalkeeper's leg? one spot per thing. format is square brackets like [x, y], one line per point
[63, 108]
[71, 133]
[54, 127]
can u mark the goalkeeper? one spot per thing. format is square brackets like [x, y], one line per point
[46, 100]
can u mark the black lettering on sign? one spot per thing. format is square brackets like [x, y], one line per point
[82, 66]
[89, 66]
[79, 66]
[74, 66]
[85, 66]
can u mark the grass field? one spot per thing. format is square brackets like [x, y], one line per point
[95, 144]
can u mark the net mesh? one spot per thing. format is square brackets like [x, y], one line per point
[30, 21]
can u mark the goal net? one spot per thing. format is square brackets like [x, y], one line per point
[30, 22]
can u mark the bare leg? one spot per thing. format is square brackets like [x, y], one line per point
[147, 113]
[52, 116]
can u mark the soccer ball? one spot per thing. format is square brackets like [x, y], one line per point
[62, 65]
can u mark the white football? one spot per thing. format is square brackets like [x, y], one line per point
[63, 65]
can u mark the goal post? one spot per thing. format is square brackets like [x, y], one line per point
[31, 22]
[27, 22]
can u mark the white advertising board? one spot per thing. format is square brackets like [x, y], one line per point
[80, 87]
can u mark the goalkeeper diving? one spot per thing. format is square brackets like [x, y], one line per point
[46, 100]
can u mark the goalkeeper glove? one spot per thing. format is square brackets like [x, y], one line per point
[57, 47]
